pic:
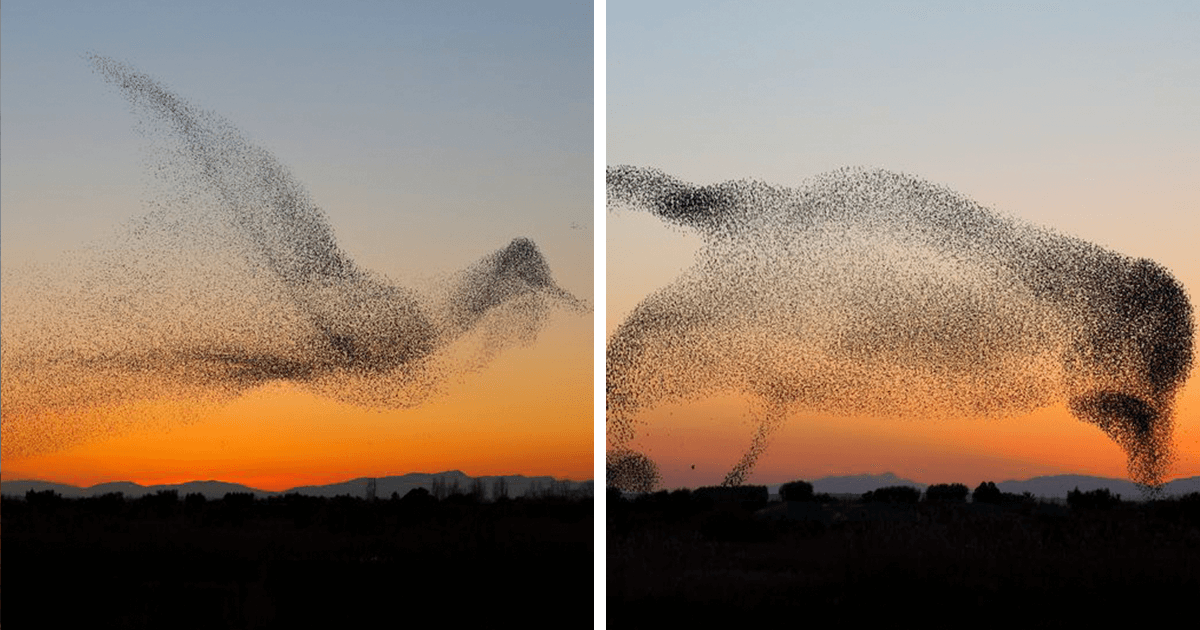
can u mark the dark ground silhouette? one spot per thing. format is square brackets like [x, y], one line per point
[1017, 561]
[165, 561]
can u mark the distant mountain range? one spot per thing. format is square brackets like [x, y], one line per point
[450, 481]
[1050, 487]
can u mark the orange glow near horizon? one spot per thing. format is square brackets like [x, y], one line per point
[712, 435]
[528, 412]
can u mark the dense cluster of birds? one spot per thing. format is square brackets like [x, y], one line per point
[869, 292]
[232, 280]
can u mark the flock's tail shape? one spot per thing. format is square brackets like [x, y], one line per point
[873, 292]
[232, 280]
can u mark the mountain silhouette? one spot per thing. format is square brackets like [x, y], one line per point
[517, 485]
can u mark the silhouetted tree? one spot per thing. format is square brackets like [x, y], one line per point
[732, 494]
[161, 503]
[661, 497]
[236, 506]
[47, 500]
[110, 503]
[302, 509]
[986, 492]
[478, 490]
[239, 499]
[796, 491]
[947, 493]
[194, 502]
[1098, 499]
[462, 498]
[418, 497]
[43, 496]
[1188, 508]
[893, 494]
[499, 489]
[682, 495]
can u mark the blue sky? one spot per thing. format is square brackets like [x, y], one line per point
[431, 133]
[1080, 116]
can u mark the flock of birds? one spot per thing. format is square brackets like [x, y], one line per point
[869, 292]
[861, 292]
[232, 280]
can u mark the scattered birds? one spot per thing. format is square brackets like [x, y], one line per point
[234, 279]
[870, 292]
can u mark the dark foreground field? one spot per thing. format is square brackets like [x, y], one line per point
[294, 562]
[692, 563]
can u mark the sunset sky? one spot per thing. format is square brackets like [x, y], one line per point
[430, 134]
[1083, 117]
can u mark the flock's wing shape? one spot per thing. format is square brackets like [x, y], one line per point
[234, 279]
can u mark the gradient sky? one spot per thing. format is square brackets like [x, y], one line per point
[1081, 116]
[431, 134]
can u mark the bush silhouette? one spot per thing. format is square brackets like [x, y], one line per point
[109, 503]
[236, 507]
[418, 497]
[947, 493]
[660, 498]
[239, 499]
[986, 492]
[45, 498]
[462, 498]
[680, 497]
[732, 494]
[893, 494]
[1099, 499]
[796, 491]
